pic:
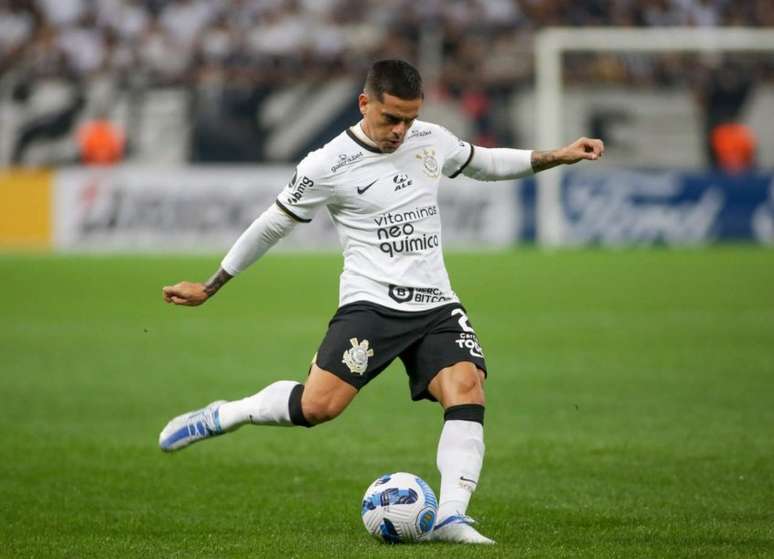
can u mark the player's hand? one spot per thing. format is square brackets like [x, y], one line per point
[185, 293]
[582, 148]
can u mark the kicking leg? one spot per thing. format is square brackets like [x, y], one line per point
[288, 403]
[460, 390]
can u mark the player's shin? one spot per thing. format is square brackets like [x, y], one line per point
[460, 457]
[277, 404]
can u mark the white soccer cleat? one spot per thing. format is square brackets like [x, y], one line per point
[191, 427]
[457, 529]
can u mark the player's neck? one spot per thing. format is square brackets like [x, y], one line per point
[361, 134]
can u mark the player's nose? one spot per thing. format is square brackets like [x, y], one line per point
[399, 130]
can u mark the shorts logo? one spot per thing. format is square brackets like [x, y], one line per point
[356, 358]
[467, 338]
[429, 163]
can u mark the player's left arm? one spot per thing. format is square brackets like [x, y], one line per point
[490, 164]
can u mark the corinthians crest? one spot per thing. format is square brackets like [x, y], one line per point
[356, 358]
[429, 163]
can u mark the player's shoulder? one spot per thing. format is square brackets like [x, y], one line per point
[424, 128]
[326, 161]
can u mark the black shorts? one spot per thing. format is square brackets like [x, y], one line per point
[364, 338]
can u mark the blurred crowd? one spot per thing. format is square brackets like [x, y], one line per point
[185, 41]
[476, 53]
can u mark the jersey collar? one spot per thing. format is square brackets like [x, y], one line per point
[355, 132]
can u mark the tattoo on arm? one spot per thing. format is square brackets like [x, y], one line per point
[217, 281]
[542, 160]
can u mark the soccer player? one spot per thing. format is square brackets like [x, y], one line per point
[379, 180]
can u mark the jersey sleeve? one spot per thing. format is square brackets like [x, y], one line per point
[456, 153]
[306, 192]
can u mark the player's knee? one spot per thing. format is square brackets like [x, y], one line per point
[468, 386]
[319, 411]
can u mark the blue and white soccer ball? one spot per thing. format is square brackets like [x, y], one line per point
[399, 508]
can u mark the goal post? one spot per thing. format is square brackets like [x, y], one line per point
[552, 43]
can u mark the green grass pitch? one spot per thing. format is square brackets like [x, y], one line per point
[630, 409]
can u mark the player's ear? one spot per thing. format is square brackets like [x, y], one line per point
[362, 102]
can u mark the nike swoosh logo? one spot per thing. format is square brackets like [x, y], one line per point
[361, 190]
[470, 480]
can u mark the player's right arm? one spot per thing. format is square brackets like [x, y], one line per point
[296, 204]
[254, 242]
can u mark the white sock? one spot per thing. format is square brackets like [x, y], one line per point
[268, 407]
[460, 457]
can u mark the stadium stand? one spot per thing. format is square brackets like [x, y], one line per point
[173, 72]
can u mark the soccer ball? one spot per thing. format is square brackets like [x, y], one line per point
[399, 508]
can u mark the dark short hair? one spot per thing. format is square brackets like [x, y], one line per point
[395, 77]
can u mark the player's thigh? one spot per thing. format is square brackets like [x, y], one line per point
[448, 363]
[460, 383]
[361, 342]
[325, 395]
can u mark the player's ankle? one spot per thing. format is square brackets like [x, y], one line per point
[450, 508]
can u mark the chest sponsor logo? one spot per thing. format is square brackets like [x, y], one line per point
[416, 294]
[401, 181]
[396, 232]
[419, 133]
[430, 164]
[356, 357]
[346, 159]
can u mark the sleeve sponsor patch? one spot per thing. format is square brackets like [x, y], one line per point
[297, 187]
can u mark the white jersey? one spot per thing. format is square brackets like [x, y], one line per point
[385, 208]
